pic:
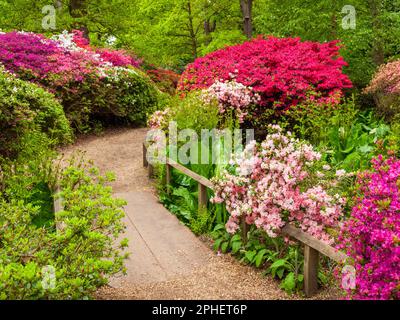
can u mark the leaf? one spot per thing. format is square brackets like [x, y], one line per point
[289, 283]
[260, 257]
[217, 243]
[224, 246]
[278, 263]
[250, 255]
[366, 149]
[236, 237]
[280, 272]
[236, 246]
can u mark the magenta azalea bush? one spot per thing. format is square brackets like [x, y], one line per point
[86, 82]
[35, 57]
[276, 182]
[372, 235]
[282, 71]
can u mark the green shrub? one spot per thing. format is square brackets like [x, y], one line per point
[83, 254]
[192, 112]
[348, 137]
[25, 107]
[129, 96]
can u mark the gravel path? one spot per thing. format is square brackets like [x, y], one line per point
[216, 277]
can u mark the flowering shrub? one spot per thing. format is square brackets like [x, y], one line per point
[159, 119]
[372, 235]
[34, 57]
[118, 58]
[232, 96]
[277, 182]
[385, 86]
[86, 84]
[387, 79]
[166, 80]
[281, 71]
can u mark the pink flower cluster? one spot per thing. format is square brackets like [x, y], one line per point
[159, 119]
[59, 60]
[35, 57]
[267, 186]
[372, 235]
[281, 70]
[386, 80]
[232, 95]
[118, 58]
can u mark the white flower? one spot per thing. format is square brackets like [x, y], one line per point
[340, 173]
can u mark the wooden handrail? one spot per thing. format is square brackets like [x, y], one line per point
[312, 245]
[200, 179]
[315, 243]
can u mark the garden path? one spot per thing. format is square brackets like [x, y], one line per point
[166, 260]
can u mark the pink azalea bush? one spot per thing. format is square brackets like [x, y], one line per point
[232, 96]
[282, 71]
[385, 88]
[372, 235]
[159, 119]
[386, 79]
[276, 182]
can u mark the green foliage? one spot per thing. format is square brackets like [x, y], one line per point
[83, 251]
[347, 137]
[200, 222]
[182, 200]
[25, 107]
[278, 258]
[193, 113]
[282, 261]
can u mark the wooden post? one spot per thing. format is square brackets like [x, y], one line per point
[310, 270]
[168, 178]
[151, 171]
[145, 163]
[202, 196]
[244, 230]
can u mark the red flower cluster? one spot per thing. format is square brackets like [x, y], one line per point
[167, 80]
[281, 70]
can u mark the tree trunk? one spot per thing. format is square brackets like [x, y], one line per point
[378, 50]
[247, 8]
[78, 9]
[209, 27]
[193, 38]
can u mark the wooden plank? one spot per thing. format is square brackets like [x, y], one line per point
[191, 174]
[314, 243]
[311, 261]
[150, 171]
[202, 196]
[145, 163]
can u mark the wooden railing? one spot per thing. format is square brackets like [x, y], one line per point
[313, 247]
